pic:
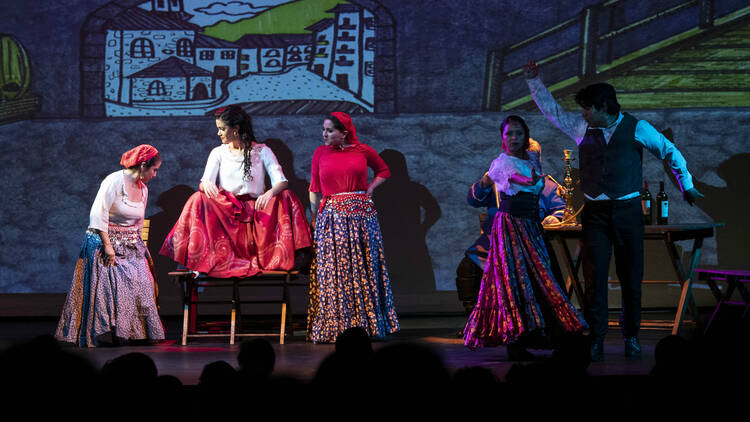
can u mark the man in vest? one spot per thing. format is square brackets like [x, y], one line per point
[610, 150]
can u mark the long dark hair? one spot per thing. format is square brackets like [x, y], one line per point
[516, 119]
[232, 116]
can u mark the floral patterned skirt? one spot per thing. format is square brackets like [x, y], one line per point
[119, 300]
[519, 293]
[349, 284]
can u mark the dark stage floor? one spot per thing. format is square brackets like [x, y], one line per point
[300, 359]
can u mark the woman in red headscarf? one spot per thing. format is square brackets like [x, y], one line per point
[349, 284]
[234, 227]
[113, 294]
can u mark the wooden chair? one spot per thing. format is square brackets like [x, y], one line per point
[145, 231]
[192, 284]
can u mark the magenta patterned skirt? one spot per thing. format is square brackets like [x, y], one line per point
[519, 293]
[349, 284]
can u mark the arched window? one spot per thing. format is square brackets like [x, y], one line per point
[141, 48]
[157, 88]
[184, 47]
[272, 53]
[273, 63]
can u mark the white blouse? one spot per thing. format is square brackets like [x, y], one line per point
[504, 166]
[112, 207]
[228, 168]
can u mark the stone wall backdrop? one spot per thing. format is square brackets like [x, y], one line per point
[437, 144]
[53, 169]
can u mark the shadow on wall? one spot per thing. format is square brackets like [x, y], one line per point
[406, 211]
[171, 203]
[286, 159]
[722, 204]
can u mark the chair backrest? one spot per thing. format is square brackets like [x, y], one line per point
[145, 230]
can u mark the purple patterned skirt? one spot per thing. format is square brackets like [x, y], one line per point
[118, 301]
[519, 293]
[349, 284]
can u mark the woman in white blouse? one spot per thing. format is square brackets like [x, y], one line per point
[233, 227]
[113, 294]
[519, 296]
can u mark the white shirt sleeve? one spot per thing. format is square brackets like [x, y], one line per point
[212, 166]
[272, 166]
[105, 197]
[571, 123]
[663, 148]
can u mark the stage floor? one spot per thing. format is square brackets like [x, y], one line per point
[300, 359]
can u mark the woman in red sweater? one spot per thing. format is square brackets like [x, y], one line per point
[349, 284]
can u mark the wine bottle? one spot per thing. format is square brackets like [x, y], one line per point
[646, 205]
[662, 206]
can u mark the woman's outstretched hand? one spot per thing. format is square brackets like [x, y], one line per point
[530, 70]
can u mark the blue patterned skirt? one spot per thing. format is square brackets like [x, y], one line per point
[349, 284]
[116, 301]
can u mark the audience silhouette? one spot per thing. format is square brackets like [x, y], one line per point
[399, 373]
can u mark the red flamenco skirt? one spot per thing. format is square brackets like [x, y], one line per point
[227, 237]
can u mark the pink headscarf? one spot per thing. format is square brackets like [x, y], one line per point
[346, 120]
[137, 155]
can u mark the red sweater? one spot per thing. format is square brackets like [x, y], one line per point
[335, 170]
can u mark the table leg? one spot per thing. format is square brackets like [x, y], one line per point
[572, 263]
[685, 279]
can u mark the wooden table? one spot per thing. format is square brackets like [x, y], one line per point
[669, 234]
[735, 280]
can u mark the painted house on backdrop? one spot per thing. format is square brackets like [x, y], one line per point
[171, 80]
[138, 39]
[345, 49]
[274, 53]
[323, 35]
[220, 57]
[298, 50]
[155, 58]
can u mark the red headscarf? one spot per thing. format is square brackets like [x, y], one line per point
[137, 155]
[346, 120]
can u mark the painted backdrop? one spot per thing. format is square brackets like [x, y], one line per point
[427, 82]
